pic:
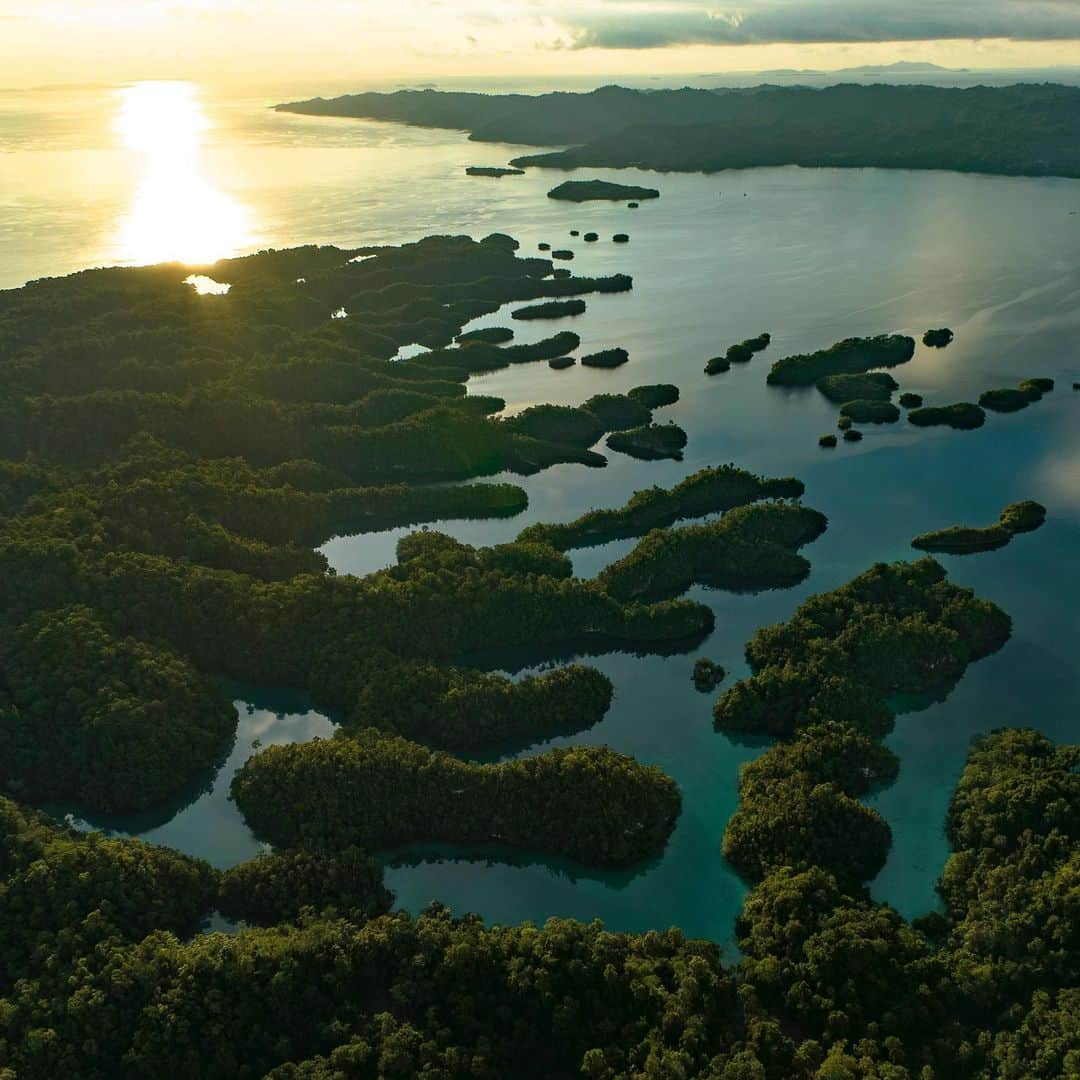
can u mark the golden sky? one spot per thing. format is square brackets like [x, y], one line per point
[71, 41]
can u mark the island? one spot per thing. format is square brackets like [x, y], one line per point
[908, 400]
[938, 339]
[650, 442]
[1016, 518]
[552, 309]
[707, 675]
[740, 353]
[488, 335]
[600, 190]
[875, 386]
[621, 238]
[963, 415]
[655, 395]
[1013, 399]
[709, 491]
[1014, 130]
[377, 792]
[606, 358]
[750, 548]
[870, 412]
[496, 171]
[560, 363]
[849, 357]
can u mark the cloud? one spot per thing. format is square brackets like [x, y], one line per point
[633, 24]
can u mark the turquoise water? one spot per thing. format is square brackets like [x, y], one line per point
[812, 257]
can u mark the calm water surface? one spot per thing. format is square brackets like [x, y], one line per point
[811, 256]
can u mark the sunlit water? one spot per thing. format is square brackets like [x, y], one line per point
[811, 256]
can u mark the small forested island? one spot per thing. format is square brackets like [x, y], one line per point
[377, 791]
[1013, 399]
[875, 386]
[558, 363]
[964, 416]
[740, 353]
[870, 411]
[938, 339]
[851, 435]
[488, 335]
[552, 309]
[1016, 518]
[749, 548]
[600, 190]
[909, 400]
[709, 491]
[707, 675]
[493, 170]
[606, 358]
[900, 628]
[827, 442]
[583, 425]
[621, 238]
[650, 442]
[850, 357]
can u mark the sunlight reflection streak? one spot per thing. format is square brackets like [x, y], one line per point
[177, 214]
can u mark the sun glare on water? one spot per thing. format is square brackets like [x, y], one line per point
[177, 214]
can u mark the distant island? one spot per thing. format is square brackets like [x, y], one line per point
[596, 190]
[492, 170]
[1023, 130]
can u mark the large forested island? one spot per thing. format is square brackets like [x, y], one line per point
[1027, 130]
[169, 463]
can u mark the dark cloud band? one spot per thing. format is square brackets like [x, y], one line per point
[805, 21]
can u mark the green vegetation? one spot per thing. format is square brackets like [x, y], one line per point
[909, 400]
[850, 357]
[651, 442]
[618, 412]
[1009, 399]
[560, 363]
[100, 977]
[707, 675]
[899, 628]
[870, 412]
[564, 254]
[492, 170]
[938, 339]
[1027, 130]
[850, 435]
[709, 491]
[589, 190]
[874, 386]
[170, 464]
[799, 807]
[282, 886]
[749, 548]
[827, 442]
[489, 335]
[964, 416]
[378, 792]
[591, 237]
[558, 424]
[553, 309]
[737, 354]
[655, 395]
[104, 719]
[962, 540]
[621, 238]
[606, 358]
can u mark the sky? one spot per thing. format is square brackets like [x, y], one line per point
[46, 42]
